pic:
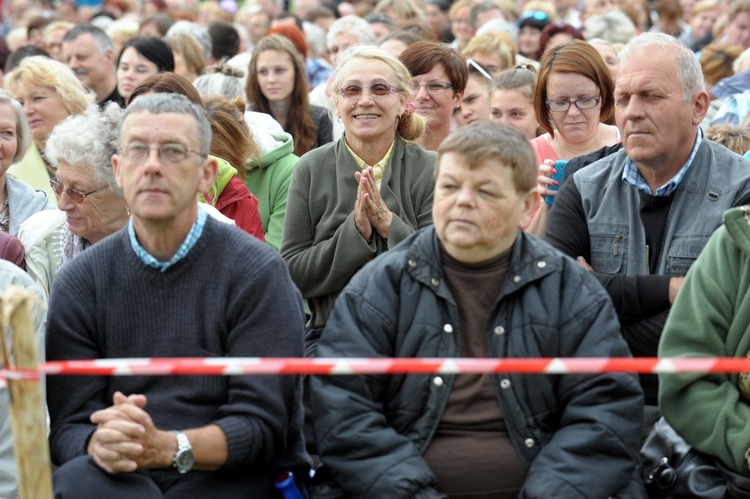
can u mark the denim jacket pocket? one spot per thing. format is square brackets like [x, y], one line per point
[609, 248]
[683, 251]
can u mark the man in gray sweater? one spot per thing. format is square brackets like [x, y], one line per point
[173, 283]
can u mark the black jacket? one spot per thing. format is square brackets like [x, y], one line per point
[577, 435]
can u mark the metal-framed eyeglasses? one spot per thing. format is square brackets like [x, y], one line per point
[432, 87]
[354, 91]
[561, 106]
[74, 194]
[169, 153]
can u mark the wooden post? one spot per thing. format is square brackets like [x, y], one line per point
[27, 409]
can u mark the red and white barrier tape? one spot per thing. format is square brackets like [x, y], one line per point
[356, 366]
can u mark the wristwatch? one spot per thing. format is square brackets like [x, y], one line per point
[183, 458]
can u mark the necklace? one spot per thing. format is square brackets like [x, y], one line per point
[51, 169]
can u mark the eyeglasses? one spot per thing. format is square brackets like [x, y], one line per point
[560, 106]
[52, 46]
[74, 194]
[433, 87]
[169, 153]
[354, 91]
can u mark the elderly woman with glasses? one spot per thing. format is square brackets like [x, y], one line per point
[439, 78]
[353, 199]
[574, 97]
[91, 205]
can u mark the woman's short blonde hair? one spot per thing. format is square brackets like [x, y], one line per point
[122, 30]
[458, 5]
[405, 9]
[493, 43]
[40, 71]
[410, 126]
[733, 137]
[190, 49]
[543, 6]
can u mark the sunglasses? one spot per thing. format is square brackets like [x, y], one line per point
[354, 91]
[475, 66]
[539, 15]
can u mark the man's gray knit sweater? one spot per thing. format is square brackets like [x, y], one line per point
[231, 296]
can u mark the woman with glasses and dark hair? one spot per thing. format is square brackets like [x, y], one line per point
[574, 97]
[439, 76]
[91, 205]
[358, 197]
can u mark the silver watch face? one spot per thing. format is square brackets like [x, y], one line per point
[184, 460]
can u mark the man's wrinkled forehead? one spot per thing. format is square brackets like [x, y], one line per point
[143, 125]
[662, 59]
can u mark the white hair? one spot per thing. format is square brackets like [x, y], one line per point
[688, 67]
[353, 25]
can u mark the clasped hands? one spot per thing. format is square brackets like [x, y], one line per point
[370, 211]
[126, 439]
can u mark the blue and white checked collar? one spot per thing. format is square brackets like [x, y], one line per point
[632, 176]
[190, 240]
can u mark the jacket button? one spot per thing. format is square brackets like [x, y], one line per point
[541, 265]
[499, 330]
[437, 381]
[529, 442]
[412, 263]
[435, 281]
[448, 328]
[517, 278]
[505, 384]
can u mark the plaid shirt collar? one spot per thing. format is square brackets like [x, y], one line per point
[190, 240]
[632, 176]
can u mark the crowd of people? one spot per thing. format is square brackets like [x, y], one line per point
[481, 178]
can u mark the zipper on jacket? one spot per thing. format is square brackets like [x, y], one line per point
[616, 245]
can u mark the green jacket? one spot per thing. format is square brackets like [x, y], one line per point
[223, 177]
[321, 243]
[268, 179]
[711, 318]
